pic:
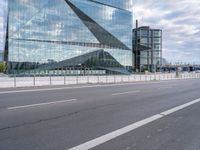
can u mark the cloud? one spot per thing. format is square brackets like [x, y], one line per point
[3, 5]
[179, 21]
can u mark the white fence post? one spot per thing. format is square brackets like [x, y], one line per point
[15, 81]
[98, 79]
[76, 79]
[34, 80]
[64, 79]
[50, 80]
[88, 80]
[106, 79]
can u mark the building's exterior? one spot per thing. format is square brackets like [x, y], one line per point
[180, 68]
[1, 56]
[147, 49]
[52, 35]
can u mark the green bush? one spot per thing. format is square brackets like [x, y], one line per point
[2, 66]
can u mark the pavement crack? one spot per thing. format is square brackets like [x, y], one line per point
[54, 118]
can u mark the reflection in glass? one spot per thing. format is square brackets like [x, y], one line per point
[52, 31]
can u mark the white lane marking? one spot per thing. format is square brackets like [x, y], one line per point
[168, 112]
[112, 135]
[164, 87]
[100, 140]
[79, 87]
[40, 104]
[128, 92]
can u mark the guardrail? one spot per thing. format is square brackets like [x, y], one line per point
[7, 82]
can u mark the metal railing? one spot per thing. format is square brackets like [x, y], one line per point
[33, 81]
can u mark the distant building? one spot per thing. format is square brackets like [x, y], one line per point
[164, 61]
[1, 56]
[147, 49]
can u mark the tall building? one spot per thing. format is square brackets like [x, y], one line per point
[1, 56]
[51, 35]
[147, 49]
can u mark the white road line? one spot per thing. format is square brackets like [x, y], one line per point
[79, 87]
[100, 140]
[128, 92]
[168, 112]
[41, 104]
[112, 135]
[164, 87]
[33, 90]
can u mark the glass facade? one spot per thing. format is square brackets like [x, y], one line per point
[149, 45]
[1, 56]
[62, 34]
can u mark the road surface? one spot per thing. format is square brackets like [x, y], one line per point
[157, 115]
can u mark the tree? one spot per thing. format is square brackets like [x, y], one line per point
[2, 66]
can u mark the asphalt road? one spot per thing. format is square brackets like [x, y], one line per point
[60, 118]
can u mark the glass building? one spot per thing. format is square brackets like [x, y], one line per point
[1, 56]
[61, 35]
[147, 49]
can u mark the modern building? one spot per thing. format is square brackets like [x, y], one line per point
[147, 49]
[1, 56]
[54, 35]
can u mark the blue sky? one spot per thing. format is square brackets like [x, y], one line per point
[179, 20]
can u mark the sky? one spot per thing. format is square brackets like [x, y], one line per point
[2, 23]
[179, 20]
